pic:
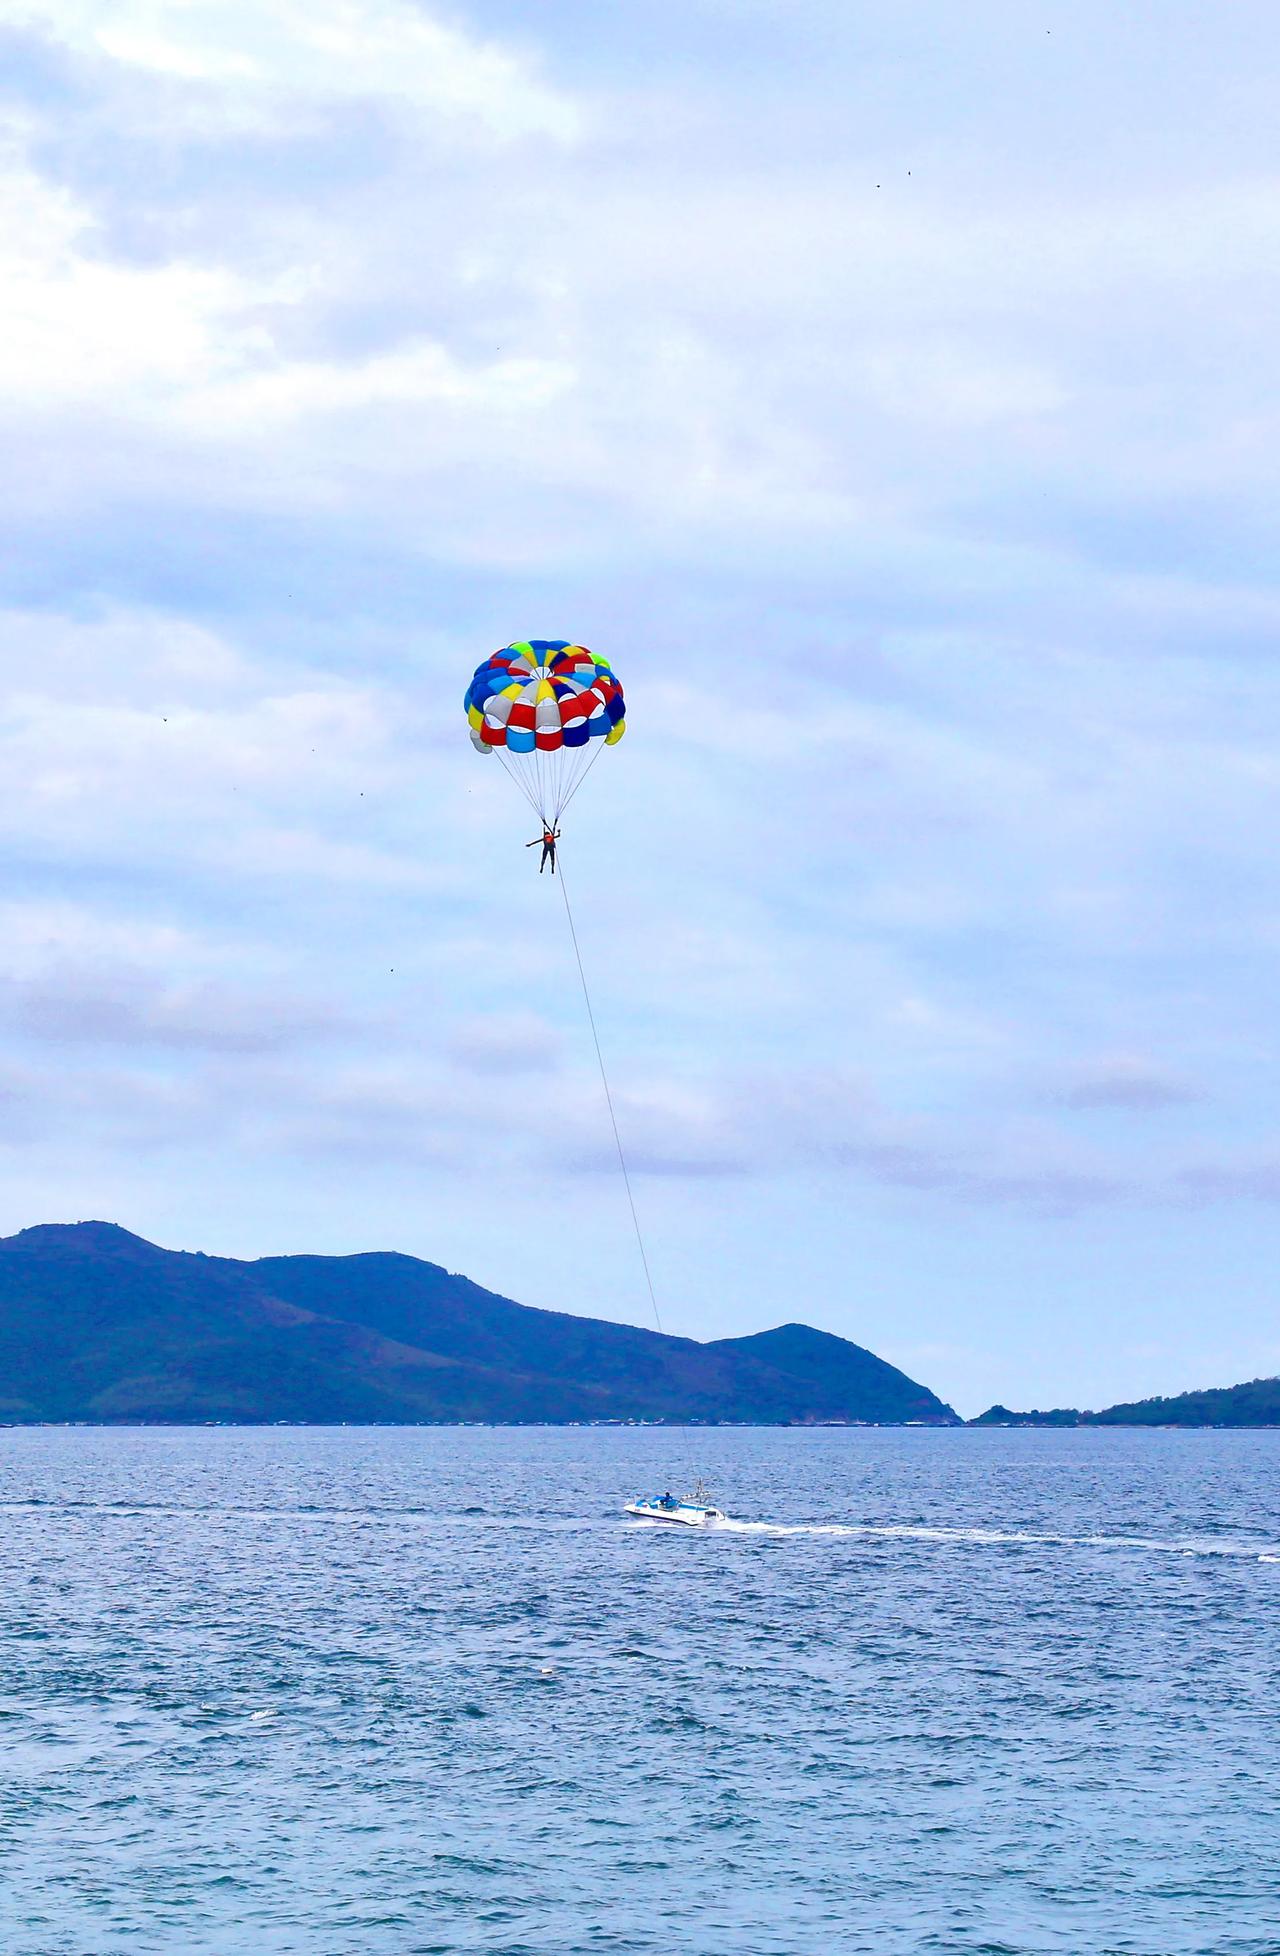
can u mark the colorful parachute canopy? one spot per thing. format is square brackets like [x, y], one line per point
[545, 707]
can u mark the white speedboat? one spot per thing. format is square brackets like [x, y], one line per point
[696, 1510]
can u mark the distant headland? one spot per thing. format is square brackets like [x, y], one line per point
[1256, 1403]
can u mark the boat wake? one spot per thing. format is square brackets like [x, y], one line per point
[1007, 1538]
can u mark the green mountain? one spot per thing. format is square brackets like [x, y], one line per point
[1254, 1404]
[96, 1324]
[830, 1368]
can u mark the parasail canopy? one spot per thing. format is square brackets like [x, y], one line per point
[547, 709]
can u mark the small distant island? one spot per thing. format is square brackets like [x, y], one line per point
[1002, 1416]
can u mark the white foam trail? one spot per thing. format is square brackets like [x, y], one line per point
[998, 1538]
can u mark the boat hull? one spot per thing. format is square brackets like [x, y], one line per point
[684, 1514]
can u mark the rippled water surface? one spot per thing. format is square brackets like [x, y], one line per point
[360, 1692]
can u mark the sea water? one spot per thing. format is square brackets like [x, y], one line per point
[376, 1692]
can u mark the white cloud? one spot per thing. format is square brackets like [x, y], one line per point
[133, 736]
[77, 328]
[115, 1006]
[260, 400]
[194, 351]
[319, 50]
[38, 934]
[942, 385]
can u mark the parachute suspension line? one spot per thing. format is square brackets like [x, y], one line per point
[604, 1081]
[599, 747]
[522, 785]
[549, 783]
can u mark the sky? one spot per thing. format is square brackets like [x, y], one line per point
[889, 390]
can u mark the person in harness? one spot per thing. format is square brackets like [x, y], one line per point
[548, 839]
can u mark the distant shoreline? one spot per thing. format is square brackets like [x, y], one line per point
[980, 1425]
